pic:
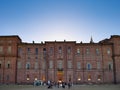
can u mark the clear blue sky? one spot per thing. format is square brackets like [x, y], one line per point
[44, 20]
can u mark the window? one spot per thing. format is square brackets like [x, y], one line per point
[9, 41]
[89, 66]
[19, 51]
[36, 51]
[98, 65]
[78, 65]
[36, 65]
[19, 65]
[28, 50]
[28, 65]
[87, 51]
[69, 64]
[60, 64]
[44, 51]
[8, 65]
[1, 49]
[110, 66]
[69, 50]
[50, 64]
[78, 51]
[60, 50]
[51, 50]
[9, 49]
[108, 51]
[97, 51]
[43, 65]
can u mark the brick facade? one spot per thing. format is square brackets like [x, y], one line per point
[22, 62]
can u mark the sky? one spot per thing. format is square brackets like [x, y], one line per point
[50, 20]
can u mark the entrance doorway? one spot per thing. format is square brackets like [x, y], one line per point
[60, 76]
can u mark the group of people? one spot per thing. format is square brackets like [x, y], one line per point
[50, 84]
[59, 84]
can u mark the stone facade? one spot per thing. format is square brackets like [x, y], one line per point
[66, 61]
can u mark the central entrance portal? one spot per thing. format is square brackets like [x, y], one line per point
[60, 75]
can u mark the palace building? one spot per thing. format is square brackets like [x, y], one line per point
[22, 63]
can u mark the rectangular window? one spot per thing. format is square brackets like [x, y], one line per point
[69, 50]
[44, 52]
[28, 65]
[19, 65]
[43, 65]
[97, 51]
[60, 50]
[110, 66]
[78, 51]
[98, 65]
[87, 51]
[51, 50]
[19, 51]
[108, 51]
[28, 50]
[60, 64]
[78, 65]
[1, 49]
[36, 51]
[9, 49]
[69, 64]
[89, 66]
[36, 65]
[51, 64]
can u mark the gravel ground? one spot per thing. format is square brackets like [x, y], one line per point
[75, 87]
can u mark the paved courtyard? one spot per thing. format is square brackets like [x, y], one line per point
[75, 87]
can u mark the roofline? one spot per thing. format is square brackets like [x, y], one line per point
[8, 36]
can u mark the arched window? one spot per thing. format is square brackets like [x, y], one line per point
[19, 65]
[60, 50]
[44, 51]
[8, 65]
[97, 51]
[69, 50]
[28, 65]
[110, 66]
[89, 66]
[36, 51]
[78, 51]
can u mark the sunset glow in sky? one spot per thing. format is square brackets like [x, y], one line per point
[50, 20]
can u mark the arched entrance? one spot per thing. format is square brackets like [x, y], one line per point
[60, 75]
